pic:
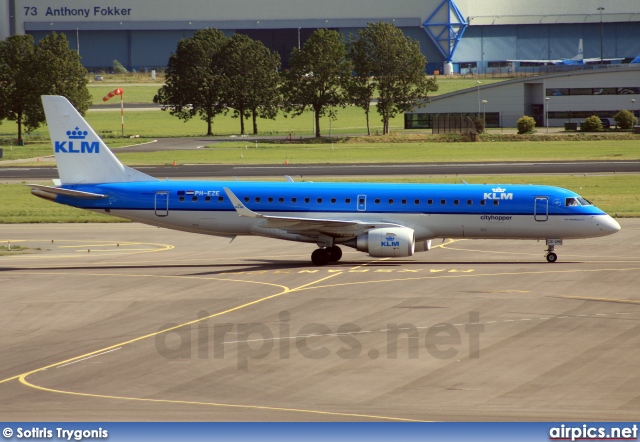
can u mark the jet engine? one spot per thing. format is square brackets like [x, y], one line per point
[386, 242]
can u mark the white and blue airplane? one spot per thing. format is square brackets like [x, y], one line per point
[578, 59]
[383, 220]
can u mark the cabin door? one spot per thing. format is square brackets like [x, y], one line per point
[162, 203]
[541, 208]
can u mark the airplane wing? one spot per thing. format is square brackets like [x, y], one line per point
[536, 61]
[592, 60]
[307, 226]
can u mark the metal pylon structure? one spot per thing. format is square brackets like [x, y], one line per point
[445, 28]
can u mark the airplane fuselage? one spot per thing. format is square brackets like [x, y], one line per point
[431, 210]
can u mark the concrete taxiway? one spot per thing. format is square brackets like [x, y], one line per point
[128, 322]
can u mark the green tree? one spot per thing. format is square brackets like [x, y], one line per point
[318, 76]
[28, 71]
[525, 124]
[118, 68]
[361, 86]
[69, 78]
[250, 79]
[625, 119]
[397, 67]
[193, 78]
[591, 124]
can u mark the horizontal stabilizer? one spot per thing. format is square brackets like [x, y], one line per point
[61, 191]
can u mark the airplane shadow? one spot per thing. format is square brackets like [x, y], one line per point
[271, 266]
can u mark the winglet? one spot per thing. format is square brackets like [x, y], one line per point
[240, 208]
[289, 179]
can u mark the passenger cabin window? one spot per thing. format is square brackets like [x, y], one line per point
[294, 199]
[333, 200]
[195, 198]
[483, 202]
[456, 202]
[220, 199]
[319, 200]
[246, 199]
[377, 201]
[443, 202]
[404, 201]
[306, 200]
[207, 198]
[390, 200]
[347, 201]
[429, 202]
[181, 198]
[257, 199]
[270, 199]
[417, 202]
[469, 202]
[281, 200]
[496, 202]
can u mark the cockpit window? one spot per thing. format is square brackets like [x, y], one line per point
[571, 202]
[585, 202]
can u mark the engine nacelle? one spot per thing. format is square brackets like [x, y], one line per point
[387, 242]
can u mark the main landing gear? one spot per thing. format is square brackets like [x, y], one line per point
[551, 255]
[324, 256]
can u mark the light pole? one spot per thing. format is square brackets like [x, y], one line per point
[633, 115]
[546, 111]
[478, 81]
[601, 33]
[484, 111]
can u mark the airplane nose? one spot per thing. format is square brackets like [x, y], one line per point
[609, 225]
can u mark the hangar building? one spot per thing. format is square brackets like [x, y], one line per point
[550, 99]
[453, 34]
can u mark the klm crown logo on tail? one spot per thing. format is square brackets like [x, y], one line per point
[84, 146]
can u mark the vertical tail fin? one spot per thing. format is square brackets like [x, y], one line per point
[580, 55]
[81, 156]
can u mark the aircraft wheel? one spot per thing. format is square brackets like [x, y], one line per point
[552, 257]
[335, 253]
[320, 257]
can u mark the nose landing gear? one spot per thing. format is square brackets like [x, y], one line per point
[551, 255]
